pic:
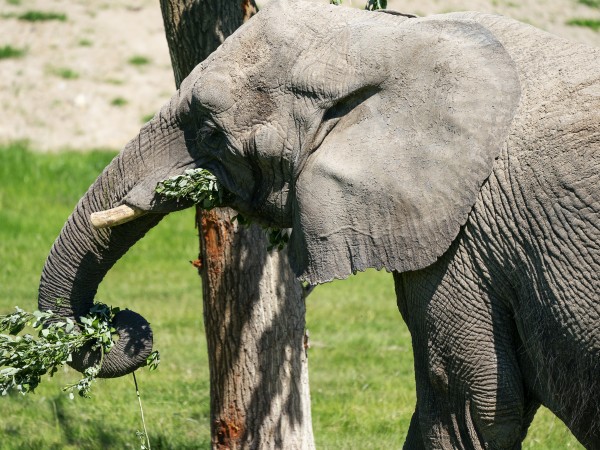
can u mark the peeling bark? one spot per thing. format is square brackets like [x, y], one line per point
[254, 310]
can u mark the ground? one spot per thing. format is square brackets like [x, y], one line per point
[92, 77]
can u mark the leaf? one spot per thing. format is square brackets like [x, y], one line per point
[86, 320]
[153, 360]
[16, 329]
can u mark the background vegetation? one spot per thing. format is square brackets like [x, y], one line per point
[361, 371]
[63, 62]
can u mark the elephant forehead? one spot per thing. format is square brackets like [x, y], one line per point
[241, 82]
[254, 106]
[213, 91]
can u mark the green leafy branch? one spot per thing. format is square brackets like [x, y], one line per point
[198, 185]
[202, 188]
[371, 5]
[25, 359]
[277, 237]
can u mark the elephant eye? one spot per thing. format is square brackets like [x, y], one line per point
[209, 137]
[206, 130]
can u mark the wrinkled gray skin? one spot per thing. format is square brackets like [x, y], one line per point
[460, 151]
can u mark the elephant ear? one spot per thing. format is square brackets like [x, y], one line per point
[399, 171]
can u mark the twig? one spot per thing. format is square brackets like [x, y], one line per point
[137, 392]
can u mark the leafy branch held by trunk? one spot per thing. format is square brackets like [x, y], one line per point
[25, 359]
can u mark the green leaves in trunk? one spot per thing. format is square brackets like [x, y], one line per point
[371, 5]
[198, 185]
[202, 188]
[25, 359]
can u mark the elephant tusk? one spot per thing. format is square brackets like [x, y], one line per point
[115, 216]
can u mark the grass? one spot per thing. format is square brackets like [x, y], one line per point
[593, 24]
[37, 193]
[114, 81]
[64, 72]
[9, 51]
[85, 43]
[147, 118]
[361, 372]
[42, 16]
[138, 60]
[118, 101]
[591, 3]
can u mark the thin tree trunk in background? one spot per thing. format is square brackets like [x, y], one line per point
[195, 28]
[254, 311]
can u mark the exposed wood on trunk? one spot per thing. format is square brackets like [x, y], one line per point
[254, 310]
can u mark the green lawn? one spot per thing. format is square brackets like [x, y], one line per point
[360, 361]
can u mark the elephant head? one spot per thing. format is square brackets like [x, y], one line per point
[368, 134]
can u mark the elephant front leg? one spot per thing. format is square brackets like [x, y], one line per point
[463, 402]
[449, 417]
[414, 437]
[470, 393]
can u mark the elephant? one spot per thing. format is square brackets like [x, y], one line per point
[461, 152]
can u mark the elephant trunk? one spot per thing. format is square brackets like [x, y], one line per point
[82, 254]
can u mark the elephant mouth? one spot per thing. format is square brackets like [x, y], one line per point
[116, 216]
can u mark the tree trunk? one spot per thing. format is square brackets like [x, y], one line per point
[254, 311]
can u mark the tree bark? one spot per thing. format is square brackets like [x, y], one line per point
[254, 310]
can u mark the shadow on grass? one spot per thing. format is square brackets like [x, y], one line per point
[71, 427]
[79, 432]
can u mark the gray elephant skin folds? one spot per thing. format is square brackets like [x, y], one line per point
[459, 151]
